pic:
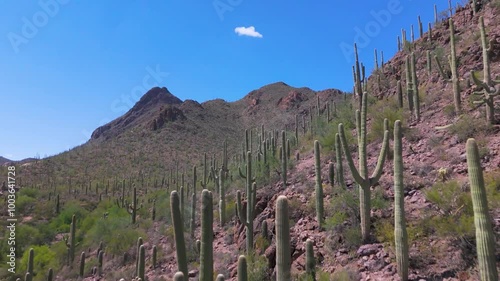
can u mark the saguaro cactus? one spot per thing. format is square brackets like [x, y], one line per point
[179, 276]
[133, 208]
[251, 190]
[50, 275]
[485, 238]
[400, 235]
[319, 186]
[100, 261]
[488, 88]
[82, 265]
[242, 268]
[284, 158]
[454, 79]
[31, 258]
[222, 201]
[310, 262]
[180, 245]
[207, 236]
[141, 263]
[70, 242]
[338, 159]
[283, 255]
[361, 177]
[414, 80]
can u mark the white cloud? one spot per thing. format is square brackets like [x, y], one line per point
[247, 31]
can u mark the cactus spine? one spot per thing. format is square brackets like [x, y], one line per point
[485, 238]
[319, 187]
[180, 245]
[400, 235]
[242, 268]
[207, 235]
[454, 79]
[488, 88]
[283, 255]
[361, 177]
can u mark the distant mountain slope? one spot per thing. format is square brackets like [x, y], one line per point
[160, 129]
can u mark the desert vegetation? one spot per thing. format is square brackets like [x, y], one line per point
[398, 180]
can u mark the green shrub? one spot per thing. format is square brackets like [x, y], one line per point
[257, 268]
[44, 259]
[468, 127]
[381, 110]
[449, 197]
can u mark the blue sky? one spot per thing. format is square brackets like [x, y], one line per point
[68, 66]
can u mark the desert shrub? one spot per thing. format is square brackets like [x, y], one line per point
[62, 222]
[44, 258]
[387, 108]
[492, 184]
[345, 274]
[455, 205]
[261, 243]
[114, 231]
[448, 196]
[25, 204]
[257, 268]
[468, 127]
[449, 110]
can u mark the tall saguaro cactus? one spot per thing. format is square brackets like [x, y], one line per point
[319, 186]
[222, 201]
[141, 263]
[31, 259]
[452, 58]
[283, 158]
[338, 159]
[133, 208]
[414, 80]
[251, 190]
[361, 177]
[207, 236]
[71, 241]
[283, 255]
[485, 238]
[488, 88]
[400, 235]
[180, 245]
